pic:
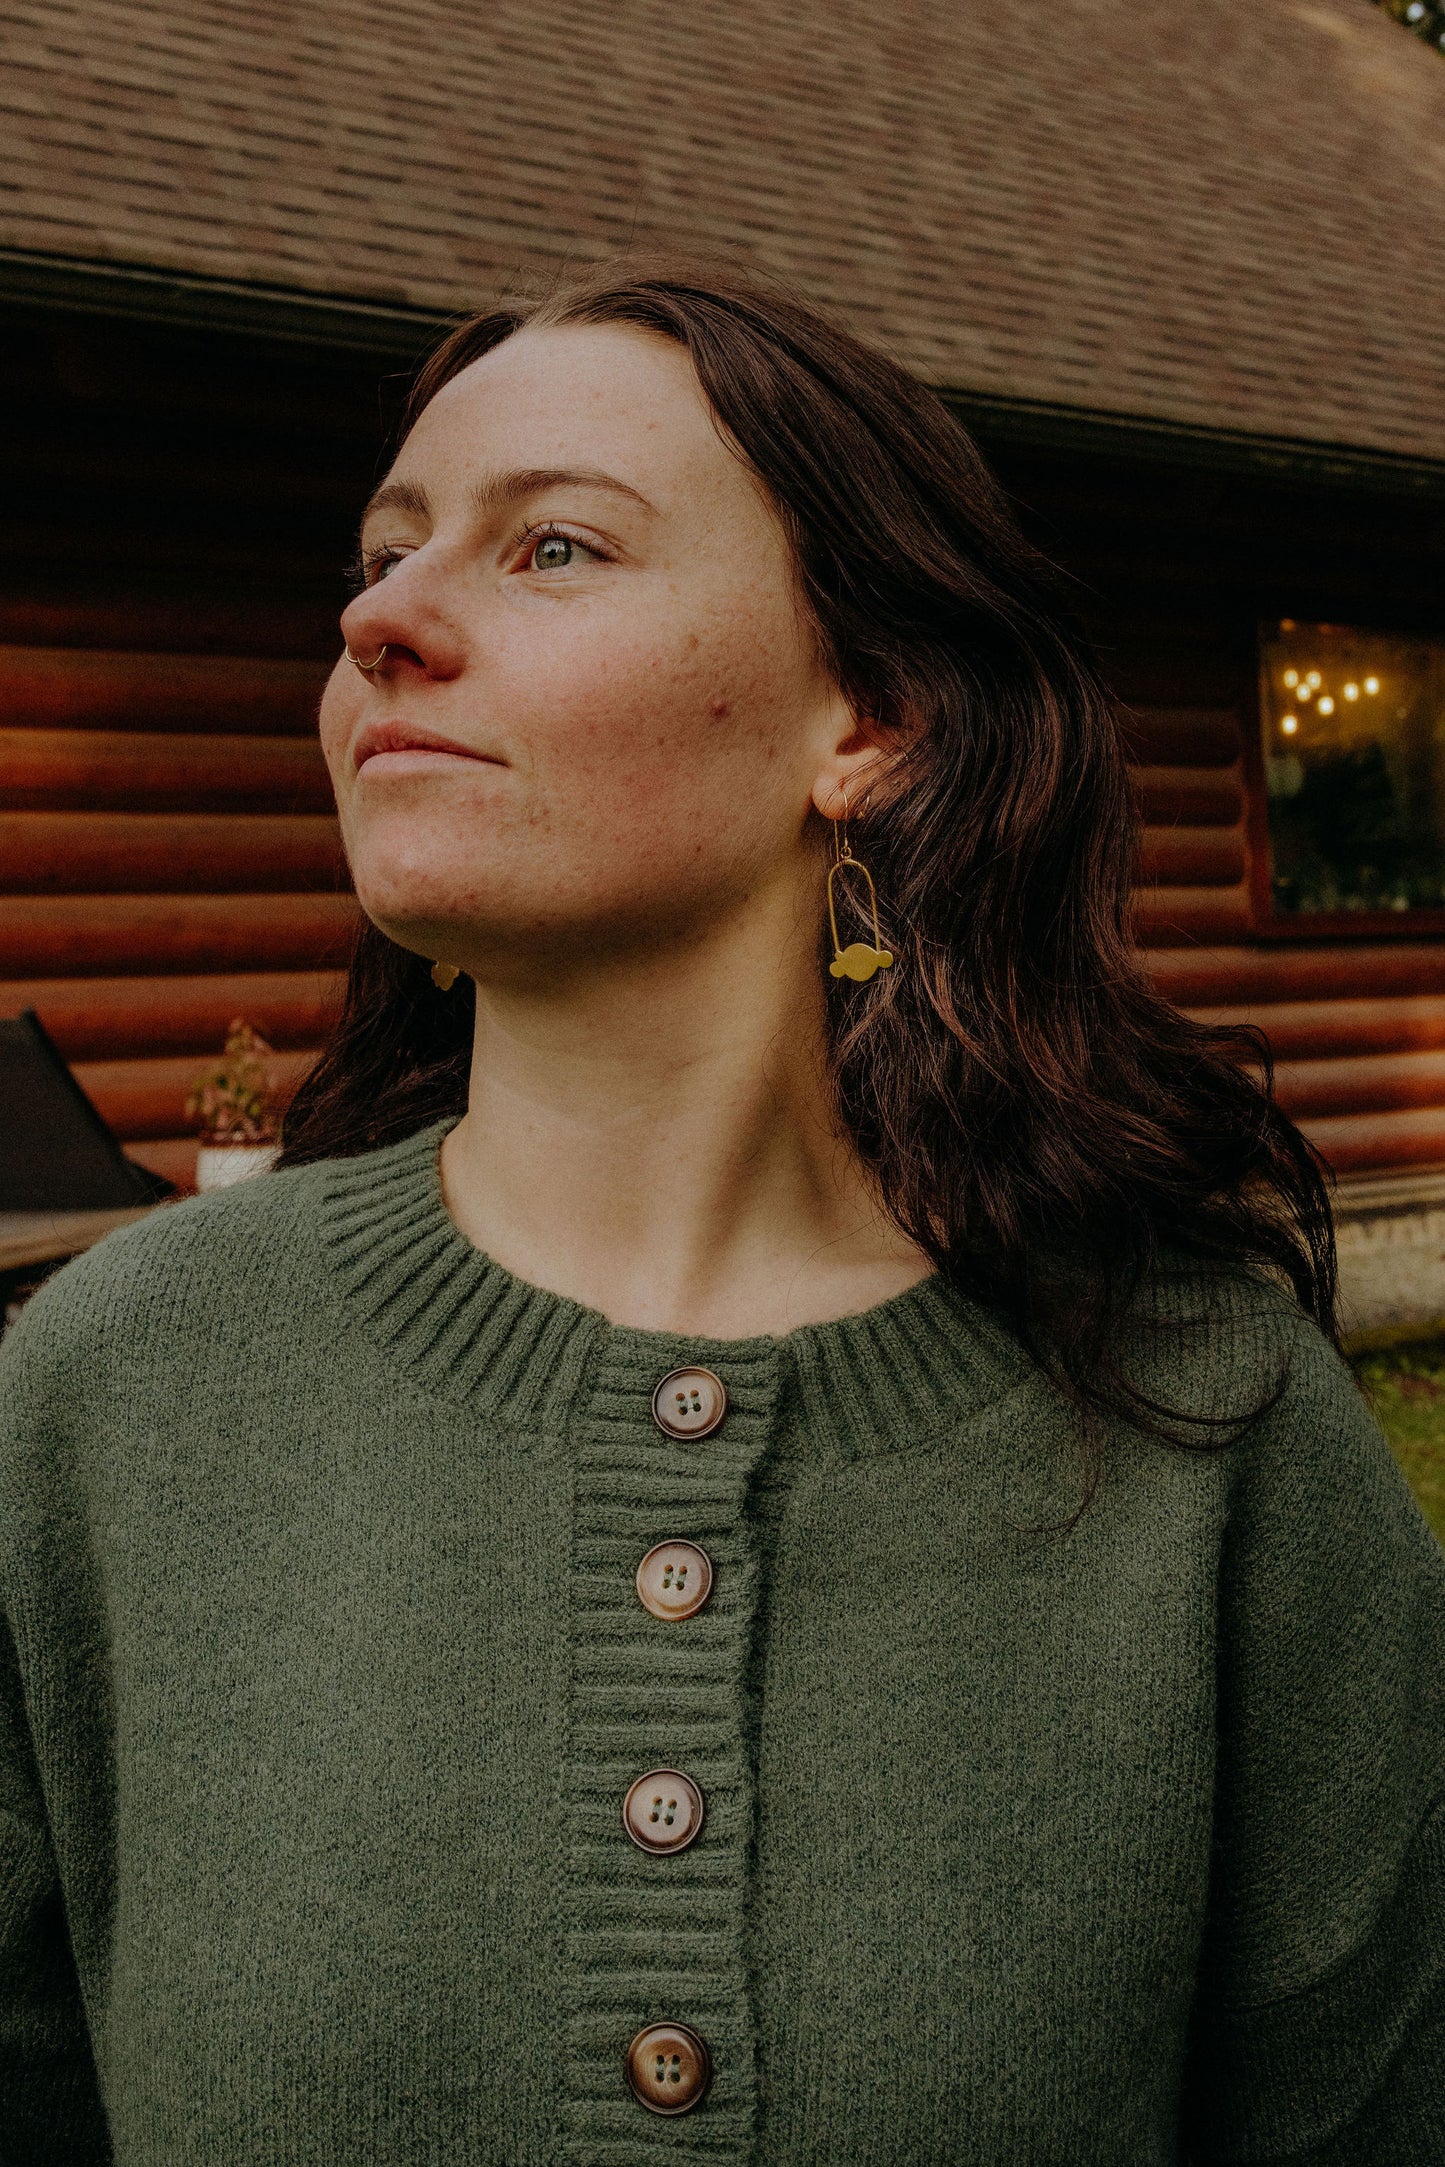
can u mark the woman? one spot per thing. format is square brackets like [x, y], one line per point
[756, 1550]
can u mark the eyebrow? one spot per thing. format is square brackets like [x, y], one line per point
[398, 497]
[502, 492]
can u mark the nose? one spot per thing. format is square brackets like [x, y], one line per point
[403, 626]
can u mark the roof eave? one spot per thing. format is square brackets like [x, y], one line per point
[386, 332]
[1145, 440]
[396, 335]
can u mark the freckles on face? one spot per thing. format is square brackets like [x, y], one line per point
[650, 707]
[666, 736]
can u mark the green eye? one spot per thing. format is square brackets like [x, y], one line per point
[552, 553]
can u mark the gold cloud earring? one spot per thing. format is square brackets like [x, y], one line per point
[445, 975]
[858, 960]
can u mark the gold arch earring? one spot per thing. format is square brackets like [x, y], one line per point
[858, 960]
[366, 667]
[445, 975]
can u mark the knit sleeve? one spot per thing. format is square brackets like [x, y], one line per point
[1318, 2036]
[50, 2108]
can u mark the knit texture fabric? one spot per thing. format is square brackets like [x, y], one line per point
[324, 1677]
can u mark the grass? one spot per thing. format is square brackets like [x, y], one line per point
[1406, 1386]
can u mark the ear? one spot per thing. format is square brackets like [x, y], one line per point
[856, 774]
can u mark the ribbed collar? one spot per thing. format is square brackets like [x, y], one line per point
[470, 1330]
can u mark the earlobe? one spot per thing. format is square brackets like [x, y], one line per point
[854, 784]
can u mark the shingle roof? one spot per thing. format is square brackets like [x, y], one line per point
[1228, 213]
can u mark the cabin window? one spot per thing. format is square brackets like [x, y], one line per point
[1354, 766]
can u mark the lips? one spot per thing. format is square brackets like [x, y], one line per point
[379, 738]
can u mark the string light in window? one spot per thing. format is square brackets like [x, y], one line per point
[1352, 692]
[1305, 692]
[1313, 680]
[1289, 724]
[1372, 684]
[1291, 678]
[1327, 705]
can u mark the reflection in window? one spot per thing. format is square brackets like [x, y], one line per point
[1354, 763]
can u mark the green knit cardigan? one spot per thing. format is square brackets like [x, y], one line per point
[325, 1675]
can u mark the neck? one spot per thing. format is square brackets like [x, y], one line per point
[652, 1136]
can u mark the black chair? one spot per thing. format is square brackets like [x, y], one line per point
[56, 1153]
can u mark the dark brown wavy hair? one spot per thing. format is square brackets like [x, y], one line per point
[1042, 1124]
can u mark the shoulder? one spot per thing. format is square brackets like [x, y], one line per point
[189, 1253]
[1220, 1343]
[243, 1267]
[1227, 1359]
[1310, 1479]
[166, 1297]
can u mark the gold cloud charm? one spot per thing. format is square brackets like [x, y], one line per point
[859, 961]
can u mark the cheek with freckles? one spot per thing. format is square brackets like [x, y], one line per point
[682, 732]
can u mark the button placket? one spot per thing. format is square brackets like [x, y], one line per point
[660, 1649]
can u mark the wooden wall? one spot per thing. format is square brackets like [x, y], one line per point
[169, 860]
[168, 606]
[170, 582]
[1357, 1028]
[1174, 565]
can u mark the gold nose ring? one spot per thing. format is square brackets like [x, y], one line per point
[375, 663]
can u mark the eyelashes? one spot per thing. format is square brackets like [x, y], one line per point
[549, 530]
[360, 566]
[363, 568]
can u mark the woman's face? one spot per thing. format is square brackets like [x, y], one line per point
[601, 716]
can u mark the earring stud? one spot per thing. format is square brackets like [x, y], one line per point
[366, 667]
[445, 975]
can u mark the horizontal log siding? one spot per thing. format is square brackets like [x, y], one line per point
[147, 1097]
[84, 936]
[1357, 1031]
[82, 689]
[169, 859]
[1194, 851]
[144, 771]
[1319, 1031]
[104, 1019]
[170, 853]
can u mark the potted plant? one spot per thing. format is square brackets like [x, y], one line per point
[234, 1103]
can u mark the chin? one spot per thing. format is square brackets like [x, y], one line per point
[436, 917]
[464, 910]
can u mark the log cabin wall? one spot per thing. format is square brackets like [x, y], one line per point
[1176, 564]
[170, 860]
[1357, 1029]
[168, 853]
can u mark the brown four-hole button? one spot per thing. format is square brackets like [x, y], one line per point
[663, 1811]
[674, 1580]
[689, 1403]
[669, 2068]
